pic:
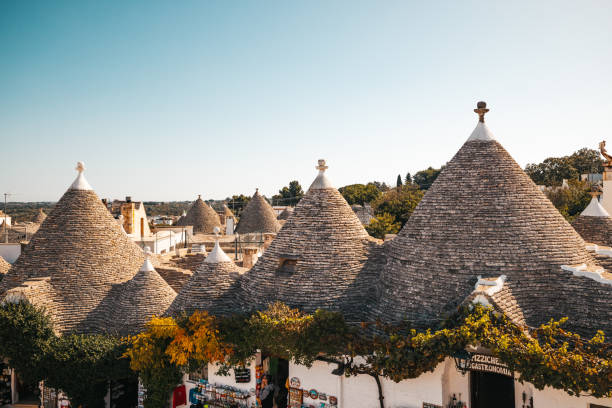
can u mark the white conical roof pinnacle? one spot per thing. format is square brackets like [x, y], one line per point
[594, 209]
[481, 132]
[321, 181]
[147, 266]
[217, 255]
[80, 183]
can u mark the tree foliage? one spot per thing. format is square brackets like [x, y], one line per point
[399, 203]
[237, 203]
[289, 195]
[383, 224]
[553, 170]
[26, 336]
[360, 193]
[82, 366]
[149, 357]
[425, 178]
[79, 365]
[571, 201]
[408, 179]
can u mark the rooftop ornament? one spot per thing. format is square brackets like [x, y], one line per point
[604, 153]
[147, 266]
[321, 181]
[481, 110]
[217, 254]
[80, 183]
[481, 132]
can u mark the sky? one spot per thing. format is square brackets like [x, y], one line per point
[164, 100]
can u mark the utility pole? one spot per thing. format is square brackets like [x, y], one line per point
[5, 215]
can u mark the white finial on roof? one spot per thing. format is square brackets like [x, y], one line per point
[321, 181]
[481, 132]
[217, 255]
[147, 266]
[80, 183]
[594, 209]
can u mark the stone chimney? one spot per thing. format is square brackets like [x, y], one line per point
[249, 257]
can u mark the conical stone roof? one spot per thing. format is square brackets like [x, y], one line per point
[137, 300]
[81, 252]
[203, 218]
[228, 213]
[211, 288]
[321, 258]
[39, 217]
[285, 213]
[594, 224]
[484, 216]
[4, 266]
[258, 216]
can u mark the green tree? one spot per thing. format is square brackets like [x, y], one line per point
[381, 186]
[425, 178]
[399, 183]
[408, 179]
[383, 224]
[586, 161]
[399, 204]
[360, 193]
[571, 201]
[237, 203]
[553, 170]
[289, 195]
[26, 336]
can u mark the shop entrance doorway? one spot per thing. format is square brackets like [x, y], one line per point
[278, 369]
[491, 390]
[27, 393]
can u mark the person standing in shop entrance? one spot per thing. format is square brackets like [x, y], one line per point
[267, 392]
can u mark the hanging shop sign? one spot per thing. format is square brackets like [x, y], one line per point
[489, 364]
[430, 405]
[242, 375]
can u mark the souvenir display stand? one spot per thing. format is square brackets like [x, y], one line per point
[214, 395]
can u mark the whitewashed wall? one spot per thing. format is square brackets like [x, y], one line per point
[361, 390]
[453, 382]
[551, 398]
[320, 378]
[10, 252]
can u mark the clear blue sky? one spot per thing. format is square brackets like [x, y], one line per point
[163, 100]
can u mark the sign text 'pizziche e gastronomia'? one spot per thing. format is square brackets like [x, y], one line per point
[490, 364]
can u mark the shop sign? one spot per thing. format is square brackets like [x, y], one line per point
[490, 364]
[242, 375]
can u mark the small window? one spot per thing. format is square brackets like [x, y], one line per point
[287, 264]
